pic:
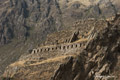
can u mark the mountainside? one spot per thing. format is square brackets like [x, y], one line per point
[29, 24]
[87, 57]
[24, 18]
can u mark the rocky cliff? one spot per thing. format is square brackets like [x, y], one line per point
[98, 59]
[26, 24]
[23, 19]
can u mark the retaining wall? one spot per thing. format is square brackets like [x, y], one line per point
[62, 47]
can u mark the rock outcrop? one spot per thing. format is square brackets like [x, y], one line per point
[26, 23]
[98, 59]
[24, 18]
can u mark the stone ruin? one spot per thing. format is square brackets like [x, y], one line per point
[70, 43]
[61, 48]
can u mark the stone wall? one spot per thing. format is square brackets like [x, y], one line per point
[62, 47]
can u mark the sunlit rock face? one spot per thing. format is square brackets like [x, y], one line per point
[96, 53]
[34, 18]
[28, 22]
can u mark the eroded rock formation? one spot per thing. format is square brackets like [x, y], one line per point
[26, 23]
[99, 57]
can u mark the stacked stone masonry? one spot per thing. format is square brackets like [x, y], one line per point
[62, 47]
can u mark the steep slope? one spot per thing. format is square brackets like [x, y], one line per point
[98, 60]
[99, 56]
[23, 19]
[26, 23]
